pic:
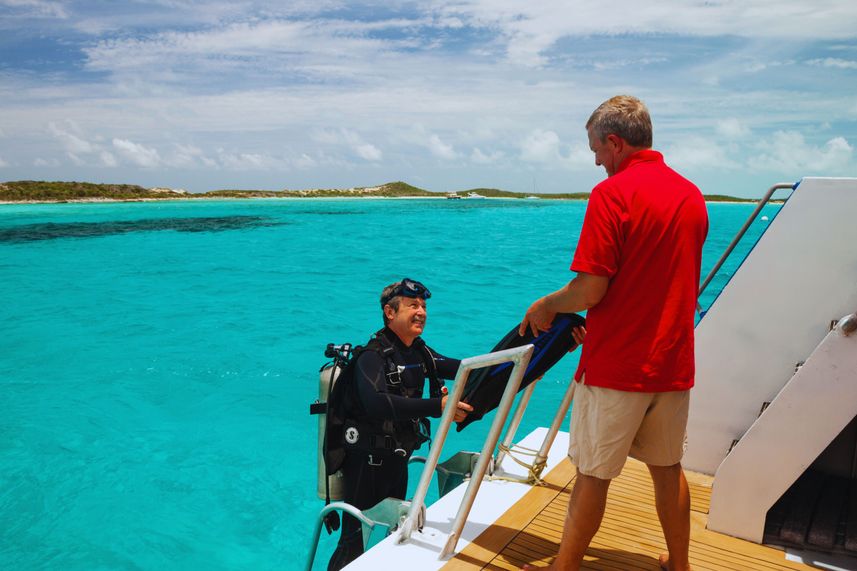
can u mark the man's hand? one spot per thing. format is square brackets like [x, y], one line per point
[538, 318]
[583, 292]
[460, 412]
[579, 333]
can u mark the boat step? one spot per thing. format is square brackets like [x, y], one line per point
[819, 512]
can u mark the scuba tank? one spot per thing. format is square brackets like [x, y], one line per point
[330, 483]
[333, 486]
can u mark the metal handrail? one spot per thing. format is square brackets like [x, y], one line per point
[385, 513]
[540, 461]
[762, 202]
[342, 506]
[514, 424]
[520, 357]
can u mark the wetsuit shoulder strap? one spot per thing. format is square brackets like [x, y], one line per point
[382, 345]
[429, 368]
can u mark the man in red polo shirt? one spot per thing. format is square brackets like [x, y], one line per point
[638, 263]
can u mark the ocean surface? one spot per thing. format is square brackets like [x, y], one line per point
[158, 359]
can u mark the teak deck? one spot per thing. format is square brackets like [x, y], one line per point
[630, 537]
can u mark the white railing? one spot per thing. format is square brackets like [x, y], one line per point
[520, 358]
[750, 219]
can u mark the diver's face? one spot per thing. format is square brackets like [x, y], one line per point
[409, 320]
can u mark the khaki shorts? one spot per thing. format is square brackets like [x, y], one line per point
[608, 425]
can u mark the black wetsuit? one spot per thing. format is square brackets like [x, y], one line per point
[370, 477]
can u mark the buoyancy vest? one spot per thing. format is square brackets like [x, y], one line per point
[348, 425]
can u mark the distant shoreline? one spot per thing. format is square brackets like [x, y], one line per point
[297, 198]
[262, 198]
[60, 192]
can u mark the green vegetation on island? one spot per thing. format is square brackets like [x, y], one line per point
[42, 191]
[37, 191]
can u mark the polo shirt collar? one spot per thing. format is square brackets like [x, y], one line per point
[646, 155]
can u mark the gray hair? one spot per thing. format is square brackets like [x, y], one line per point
[393, 302]
[625, 116]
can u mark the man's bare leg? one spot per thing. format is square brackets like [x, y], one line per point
[672, 500]
[585, 511]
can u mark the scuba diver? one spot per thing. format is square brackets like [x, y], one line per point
[383, 412]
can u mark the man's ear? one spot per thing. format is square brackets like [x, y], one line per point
[389, 312]
[616, 141]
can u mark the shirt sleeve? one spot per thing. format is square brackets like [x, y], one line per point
[371, 384]
[602, 235]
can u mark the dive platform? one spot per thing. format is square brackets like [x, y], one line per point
[516, 524]
[630, 537]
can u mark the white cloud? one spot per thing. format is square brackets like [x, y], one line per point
[698, 153]
[732, 128]
[71, 142]
[581, 156]
[305, 162]
[36, 8]
[3, 163]
[834, 62]
[107, 159]
[789, 152]
[451, 23]
[369, 152]
[351, 139]
[440, 149]
[620, 63]
[480, 158]
[138, 154]
[247, 161]
[531, 28]
[188, 156]
[40, 162]
[541, 147]
[313, 48]
[756, 66]
[545, 147]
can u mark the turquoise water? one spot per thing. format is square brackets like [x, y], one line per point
[158, 359]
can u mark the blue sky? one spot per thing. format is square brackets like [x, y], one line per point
[444, 94]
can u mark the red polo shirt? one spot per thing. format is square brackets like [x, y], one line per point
[644, 229]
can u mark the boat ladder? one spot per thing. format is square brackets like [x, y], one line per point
[408, 517]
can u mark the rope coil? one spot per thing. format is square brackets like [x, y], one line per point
[533, 470]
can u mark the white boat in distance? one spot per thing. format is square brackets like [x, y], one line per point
[473, 195]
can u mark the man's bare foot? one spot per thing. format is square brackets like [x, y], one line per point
[664, 561]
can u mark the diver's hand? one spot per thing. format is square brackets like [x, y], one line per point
[538, 318]
[460, 412]
[579, 333]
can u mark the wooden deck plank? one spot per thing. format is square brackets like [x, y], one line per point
[630, 537]
[484, 548]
